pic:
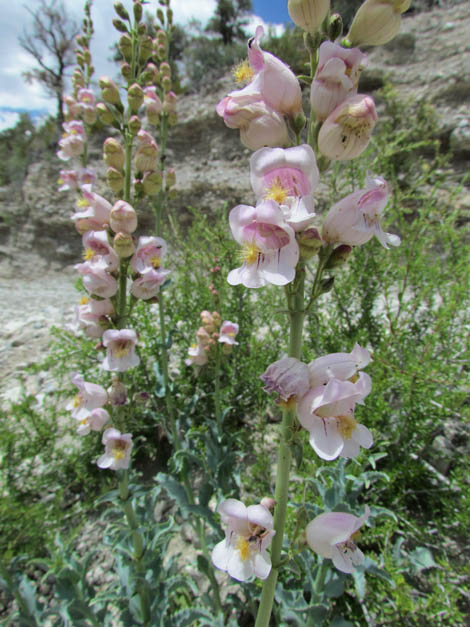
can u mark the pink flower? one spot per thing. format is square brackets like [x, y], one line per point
[94, 421]
[289, 177]
[148, 254]
[346, 132]
[327, 412]
[153, 105]
[249, 533]
[90, 396]
[273, 79]
[73, 179]
[117, 450]
[269, 250]
[340, 366]
[259, 124]
[228, 332]
[86, 101]
[197, 355]
[356, 219]
[331, 536]
[73, 140]
[287, 377]
[97, 249]
[120, 354]
[92, 316]
[336, 77]
[96, 279]
[148, 285]
[93, 211]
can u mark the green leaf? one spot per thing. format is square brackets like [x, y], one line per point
[421, 558]
[334, 588]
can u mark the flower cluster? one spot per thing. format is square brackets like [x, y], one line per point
[210, 334]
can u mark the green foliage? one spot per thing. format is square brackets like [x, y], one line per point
[229, 20]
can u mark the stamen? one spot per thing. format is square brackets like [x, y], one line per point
[250, 253]
[243, 73]
[244, 547]
[346, 426]
[88, 254]
[277, 192]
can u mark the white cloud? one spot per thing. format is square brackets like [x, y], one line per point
[8, 119]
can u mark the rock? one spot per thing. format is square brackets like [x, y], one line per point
[460, 138]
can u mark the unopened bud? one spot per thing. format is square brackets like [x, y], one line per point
[327, 284]
[338, 257]
[335, 28]
[169, 102]
[109, 90]
[114, 154]
[161, 16]
[123, 218]
[115, 180]
[134, 124]
[166, 83]
[80, 59]
[138, 11]
[297, 122]
[165, 68]
[170, 179]
[161, 52]
[125, 46]
[169, 15]
[161, 37]
[87, 55]
[145, 49]
[117, 394]
[120, 26]
[377, 22]
[124, 245]
[105, 114]
[308, 14]
[135, 97]
[268, 502]
[146, 157]
[309, 242]
[126, 71]
[141, 29]
[152, 183]
[121, 11]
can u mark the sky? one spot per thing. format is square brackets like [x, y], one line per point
[16, 94]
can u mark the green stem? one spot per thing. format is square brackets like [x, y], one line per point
[166, 377]
[322, 261]
[295, 302]
[139, 547]
[217, 398]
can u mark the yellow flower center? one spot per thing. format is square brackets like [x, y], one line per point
[118, 454]
[243, 73]
[88, 254]
[244, 547]
[277, 192]
[155, 261]
[84, 421]
[84, 300]
[122, 350]
[346, 426]
[77, 401]
[82, 203]
[250, 253]
[60, 181]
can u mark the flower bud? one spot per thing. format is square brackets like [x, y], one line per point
[165, 69]
[145, 49]
[80, 59]
[138, 11]
[125, 46]
[161, 52]
[121, 11]
[335, 28]
[326, 285]
[308, 14]
[134, 124]
[105, 114]
[146, 157]
[109, 90]
[166, 83]
[135, 97]
[126, 71]
[286, 377]
[161, 37]
[268, 502]
[115, 180]
[114, 154]
[123, 218]
[309, 242]
[160, 16]
[170, 179]
[120, 26]
[377, 22]
[338, 257]
[169, 102]
[117, 394]
[169, 15]
[141, 29]
[346, 132]
[124, 245]
[152, 183]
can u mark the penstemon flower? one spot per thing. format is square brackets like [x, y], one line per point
[354, 220]
[249, 533]
[269, 250]
[96, 278]
[90, 396]
[332, 534]
[287, 377]
[148, 254]
[120, 350]
[73, 140]
[92, 316]
[289, 177]
[94, 421]
[93, 211]
[342, 366]
[98, 249]
[117, 451]
[228, 332]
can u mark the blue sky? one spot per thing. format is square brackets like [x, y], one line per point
[272, 10]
